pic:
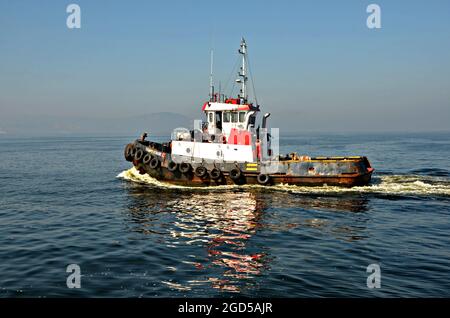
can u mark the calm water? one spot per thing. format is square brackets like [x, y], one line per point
[75, 200]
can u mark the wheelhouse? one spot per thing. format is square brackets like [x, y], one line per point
[223, 117]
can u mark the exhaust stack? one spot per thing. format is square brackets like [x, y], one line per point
[264, 121]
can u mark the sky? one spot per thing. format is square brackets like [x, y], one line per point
[316, 66]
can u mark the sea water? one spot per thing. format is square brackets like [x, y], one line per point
[75, 200]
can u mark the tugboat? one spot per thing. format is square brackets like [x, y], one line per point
[228, 149]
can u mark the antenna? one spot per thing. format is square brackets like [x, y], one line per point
[243, 73]
[211, 84]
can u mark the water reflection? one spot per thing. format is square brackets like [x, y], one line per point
[222, 227]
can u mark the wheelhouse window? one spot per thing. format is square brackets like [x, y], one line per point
[234, 117]
[241, 117]
[251, 120]
[226, 117]
[210, 116]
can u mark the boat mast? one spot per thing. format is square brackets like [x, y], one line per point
[211, 85]
[243, 73]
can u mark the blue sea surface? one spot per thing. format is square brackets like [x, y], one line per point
[75, 200]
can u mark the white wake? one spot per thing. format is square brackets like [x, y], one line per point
[387, 185]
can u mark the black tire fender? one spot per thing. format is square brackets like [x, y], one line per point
[172, 166]
[138, 155]
[154, 163]
[215, 173]
[200, 171]
[147, 158]
[185, 167]
[128, 152]
[263, 179]
[235, 174]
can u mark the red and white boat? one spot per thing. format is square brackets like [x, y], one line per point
[229, 148]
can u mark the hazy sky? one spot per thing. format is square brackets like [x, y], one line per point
[316, 64]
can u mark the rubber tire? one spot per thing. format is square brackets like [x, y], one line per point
[147, 158]
[128, 152]
[200, 171]
[215, 174]
[154, 163]
[138, 155]
[263, 179]
[172, 166]
[185, 167]
[235, 174]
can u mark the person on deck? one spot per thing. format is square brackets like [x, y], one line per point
[258, 149]
[206, 137]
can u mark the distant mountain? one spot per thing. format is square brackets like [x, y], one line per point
[161, 123]
[156, 123]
